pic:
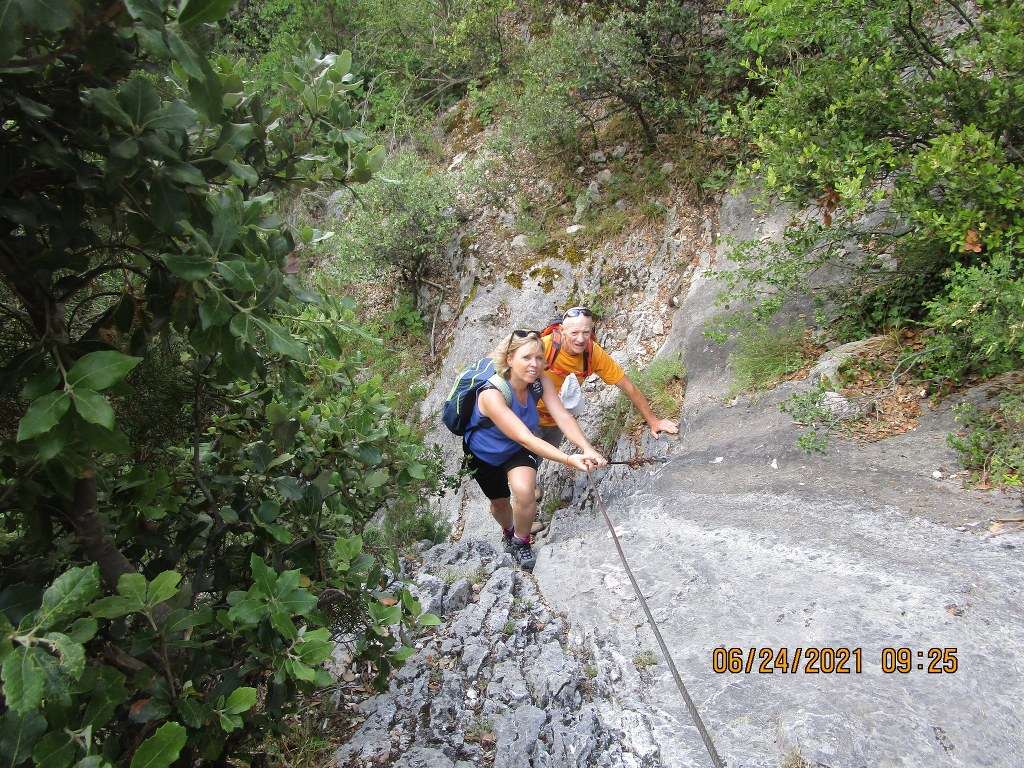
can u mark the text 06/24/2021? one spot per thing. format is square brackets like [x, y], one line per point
[829, 660]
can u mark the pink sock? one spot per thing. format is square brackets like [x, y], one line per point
[509, 531]
[525, 540]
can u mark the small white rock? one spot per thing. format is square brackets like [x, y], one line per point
[457, 161]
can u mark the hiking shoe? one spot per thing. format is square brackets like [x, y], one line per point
[522, 553]
[506, 543]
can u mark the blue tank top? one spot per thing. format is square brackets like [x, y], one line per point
[490, 444]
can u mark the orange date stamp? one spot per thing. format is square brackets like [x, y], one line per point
[828, 660]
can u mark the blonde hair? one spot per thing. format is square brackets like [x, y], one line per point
[509, 346]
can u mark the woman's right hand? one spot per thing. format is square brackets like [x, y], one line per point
[593, 458]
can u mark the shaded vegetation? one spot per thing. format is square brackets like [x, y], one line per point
[901, 125]
[193, 463]
[662, 382]
[991, 440]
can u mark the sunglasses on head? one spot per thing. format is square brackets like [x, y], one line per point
[576, 312]
[522, 333]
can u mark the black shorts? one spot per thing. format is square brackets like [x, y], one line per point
[493, 481]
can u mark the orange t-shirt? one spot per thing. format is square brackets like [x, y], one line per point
[601, 363]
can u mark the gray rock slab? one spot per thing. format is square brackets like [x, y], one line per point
[812, 555]
[517, 734]
[496, 684]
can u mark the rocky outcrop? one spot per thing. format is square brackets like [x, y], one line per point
[497, 684]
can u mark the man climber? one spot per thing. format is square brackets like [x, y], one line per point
[579, 355]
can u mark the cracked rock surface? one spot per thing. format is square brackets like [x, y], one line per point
[498, 683]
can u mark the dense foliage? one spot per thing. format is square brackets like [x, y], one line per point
[899, 124]
[414, 57]
[656, 63]
[188, 456]
[902, 124]
[991, 440]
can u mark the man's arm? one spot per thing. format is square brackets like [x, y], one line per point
[568, 424]
[637, 398]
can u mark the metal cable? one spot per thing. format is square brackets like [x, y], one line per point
[704, 735]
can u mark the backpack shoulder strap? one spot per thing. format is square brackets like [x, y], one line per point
[501, 384]
[555, 332]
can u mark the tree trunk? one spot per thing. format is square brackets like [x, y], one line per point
[91, 536]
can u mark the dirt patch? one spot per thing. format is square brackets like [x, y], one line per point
[893, 412]
[882, 379]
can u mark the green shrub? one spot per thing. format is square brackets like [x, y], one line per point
[991, 442]
[189, 455]
[935, 163]
[879, 297]
[402, 222]
[762, 356]
[544, 114]
[979, 321]
[650, 61]
[415, 57]
[817, 422]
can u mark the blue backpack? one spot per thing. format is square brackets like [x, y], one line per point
[458, 406]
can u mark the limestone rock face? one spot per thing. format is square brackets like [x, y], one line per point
[496, 684]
